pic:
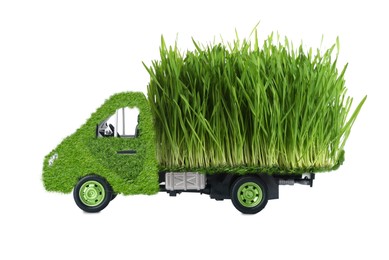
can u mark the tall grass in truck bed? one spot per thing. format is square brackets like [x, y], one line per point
[241, 107]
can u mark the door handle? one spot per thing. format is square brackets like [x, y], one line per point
[126, 152]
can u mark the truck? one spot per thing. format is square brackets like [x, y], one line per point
[203, 127]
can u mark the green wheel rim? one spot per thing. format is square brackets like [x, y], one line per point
[92, 193]
[249, 194]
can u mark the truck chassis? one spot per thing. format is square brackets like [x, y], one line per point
[221, 186]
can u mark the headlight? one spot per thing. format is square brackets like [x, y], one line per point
[52, 159]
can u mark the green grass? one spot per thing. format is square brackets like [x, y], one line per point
[242, 107]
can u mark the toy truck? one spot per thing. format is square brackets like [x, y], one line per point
[233, 123]
[101, 160]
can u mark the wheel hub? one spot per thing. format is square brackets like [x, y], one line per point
[92, 193]
[250, 194]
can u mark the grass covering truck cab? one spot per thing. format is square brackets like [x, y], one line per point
[233, 121]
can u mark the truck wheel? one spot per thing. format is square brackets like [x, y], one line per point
[92, 193]
[249, 194]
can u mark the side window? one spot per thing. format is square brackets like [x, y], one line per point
[124, 123]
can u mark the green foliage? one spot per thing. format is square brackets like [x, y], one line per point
[244, 108]
[82, 153]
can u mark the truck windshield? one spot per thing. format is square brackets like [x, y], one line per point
[124, 123]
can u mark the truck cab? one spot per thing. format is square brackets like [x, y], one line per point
[113, 152]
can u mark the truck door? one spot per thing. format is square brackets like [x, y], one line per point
[117, 144]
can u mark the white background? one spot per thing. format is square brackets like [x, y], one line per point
[59, 61]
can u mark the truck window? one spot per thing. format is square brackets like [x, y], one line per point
[124, 124]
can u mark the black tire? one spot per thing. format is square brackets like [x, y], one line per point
[92, 193]
[249, 194]
[113, 196]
